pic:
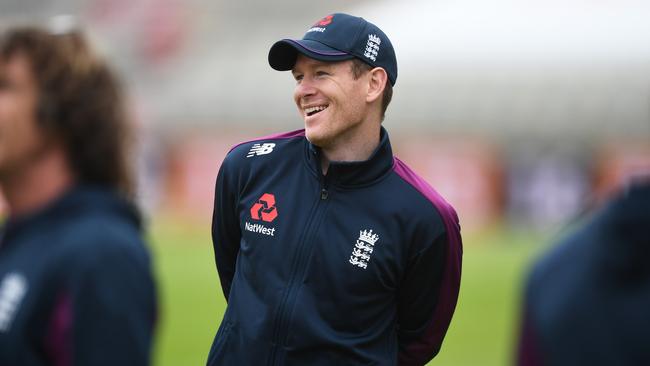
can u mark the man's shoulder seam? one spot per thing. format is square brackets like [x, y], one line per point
[411, 178]
[278, 136]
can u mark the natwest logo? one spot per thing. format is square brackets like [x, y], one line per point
[264, 209]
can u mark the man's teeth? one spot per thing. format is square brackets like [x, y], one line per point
[312, 110]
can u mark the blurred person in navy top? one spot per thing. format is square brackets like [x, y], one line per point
[330, 250]
[75, 280]
[587, 301]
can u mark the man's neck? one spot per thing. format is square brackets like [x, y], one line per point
[38, 184]
[358, 146]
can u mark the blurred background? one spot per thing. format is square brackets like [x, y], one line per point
[525, 115]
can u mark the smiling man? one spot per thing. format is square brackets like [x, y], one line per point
[331, 251]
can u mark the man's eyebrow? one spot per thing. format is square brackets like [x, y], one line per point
[294, 72]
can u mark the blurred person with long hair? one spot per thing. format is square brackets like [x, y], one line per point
[76, 286]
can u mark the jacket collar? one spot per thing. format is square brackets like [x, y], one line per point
[354, 173]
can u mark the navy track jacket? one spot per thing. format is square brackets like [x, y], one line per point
[76, 285]
[588, 300]
[357, 267]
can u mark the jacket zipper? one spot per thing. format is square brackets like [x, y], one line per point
[297, 272]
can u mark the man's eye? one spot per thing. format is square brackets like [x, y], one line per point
[322, 73]
[297, 77]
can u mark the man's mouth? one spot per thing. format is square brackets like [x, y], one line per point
[313, 110]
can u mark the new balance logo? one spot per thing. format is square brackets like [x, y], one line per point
[363, 249]
[260, 149]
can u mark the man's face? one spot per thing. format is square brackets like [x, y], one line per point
[331, 102]
[21, 140]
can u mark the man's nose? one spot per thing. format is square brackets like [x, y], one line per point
[305, 88]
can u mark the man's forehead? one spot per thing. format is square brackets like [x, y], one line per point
[307, 62]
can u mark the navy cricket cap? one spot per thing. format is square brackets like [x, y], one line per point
[338, 37]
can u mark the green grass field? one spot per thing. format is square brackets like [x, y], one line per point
[482, 333]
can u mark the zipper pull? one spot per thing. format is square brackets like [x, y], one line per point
[323, 194]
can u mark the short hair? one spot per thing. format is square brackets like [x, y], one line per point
[80, 103]
[359, 68]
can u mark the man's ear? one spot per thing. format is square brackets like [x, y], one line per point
[376, 84]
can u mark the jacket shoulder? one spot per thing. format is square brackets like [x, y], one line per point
[99, 233]
[432, 206]
[442, 208]
[265, 145]
[262, 148]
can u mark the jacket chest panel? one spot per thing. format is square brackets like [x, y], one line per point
[345, 243]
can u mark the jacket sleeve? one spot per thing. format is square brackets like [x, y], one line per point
[528, 349]
[106, 312]
[226, 232]
[428, 296]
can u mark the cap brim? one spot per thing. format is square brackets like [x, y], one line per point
[283, 54]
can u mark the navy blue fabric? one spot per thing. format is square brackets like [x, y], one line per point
[294, 295]
[88, 292]
[588, 300]
[338, 37]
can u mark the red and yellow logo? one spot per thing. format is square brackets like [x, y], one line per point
[264, 209]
